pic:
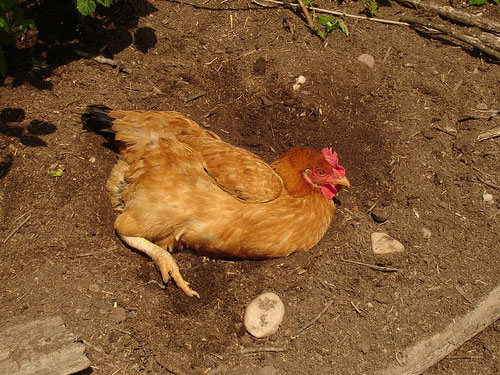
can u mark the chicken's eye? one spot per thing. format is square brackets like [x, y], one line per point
[321, 172]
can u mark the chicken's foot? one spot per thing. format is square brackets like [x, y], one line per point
[163, 259]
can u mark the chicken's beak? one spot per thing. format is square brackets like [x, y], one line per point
[342, 181]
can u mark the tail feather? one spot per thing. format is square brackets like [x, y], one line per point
[97, 119]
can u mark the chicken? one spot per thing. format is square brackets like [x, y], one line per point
[178, 185]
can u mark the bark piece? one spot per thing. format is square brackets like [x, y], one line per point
[40, 347]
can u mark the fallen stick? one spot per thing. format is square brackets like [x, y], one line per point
[17, 228]
[103, 60]
[488, 134]
[476, 43]
[306, 14]
[315, 319]
[372, 266]
[490, 40]
[416, 359]
[336, 13]
[455, 15]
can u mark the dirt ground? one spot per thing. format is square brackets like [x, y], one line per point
[405, 129]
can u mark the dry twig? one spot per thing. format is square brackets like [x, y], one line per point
[372, 266]
[17, 228]
[104, 60]
[455, 15]
[306, 14]
[315, 319]
[476, 43]
[488, 134]
[337, 13]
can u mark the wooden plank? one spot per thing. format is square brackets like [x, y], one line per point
[40, 347]
[416, 359]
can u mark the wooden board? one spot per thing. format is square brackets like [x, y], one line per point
[40, 347]
[416, 359]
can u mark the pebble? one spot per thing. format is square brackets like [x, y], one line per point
[383, 244]
[94, 287]
[427, 133]
[482, 106]
[488, 198]
[367, 60]
[117, 315]
[263, 315]
[267, 370]
[426, 233]
[299, 81]
[266, 101]
[380, 214]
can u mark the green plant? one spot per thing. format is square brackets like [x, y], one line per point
[330, 23]
[88, 7]
[371, 7]
[12, 24]
[481, 2]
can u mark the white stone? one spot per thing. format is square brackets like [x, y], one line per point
[367, 59]
[263, 315]
[426, 233]
[488, 198]
[299, 81]
[383, 244]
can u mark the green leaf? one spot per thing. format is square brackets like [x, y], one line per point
[497, 2]
[4, 22]
[343, 28]
[56, 172]
[323, 20]
[476, 2]
[86, 7]
[105, 3]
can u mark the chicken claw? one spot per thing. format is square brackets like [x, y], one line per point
[163, 259]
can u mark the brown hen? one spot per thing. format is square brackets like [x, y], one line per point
[178, 185]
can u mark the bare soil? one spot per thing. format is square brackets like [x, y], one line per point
[231, 67]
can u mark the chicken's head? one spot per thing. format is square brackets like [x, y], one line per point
[327, 175]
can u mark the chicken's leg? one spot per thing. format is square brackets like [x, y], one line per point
[163, 259]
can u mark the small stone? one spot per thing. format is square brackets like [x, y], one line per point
[383, 244]
[263, 315]
[94, 287]
[426, 233]
[117, 315]
[427, 133]
[267, 370]
[482, 106]
[367, 60]
[299, 81]
[380, 214]
[92, 159]
[266, 101]
[488, 198]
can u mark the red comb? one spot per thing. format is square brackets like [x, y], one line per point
[332, 159]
